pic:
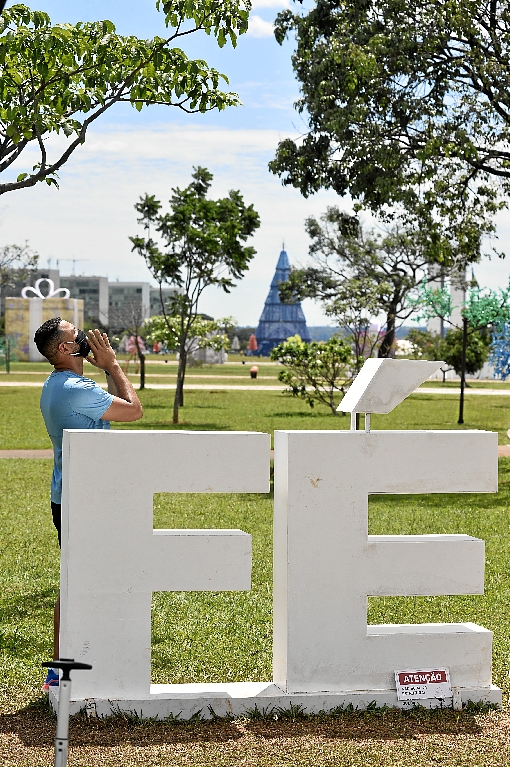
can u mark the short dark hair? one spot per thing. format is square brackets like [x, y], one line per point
[48, 337]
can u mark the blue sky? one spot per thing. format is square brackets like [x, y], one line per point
[130, 153]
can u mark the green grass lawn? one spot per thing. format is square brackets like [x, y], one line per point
[227, 636]
[154, 366]
[22, 427]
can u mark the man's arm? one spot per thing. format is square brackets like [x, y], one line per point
[112, 389]
[125, 406]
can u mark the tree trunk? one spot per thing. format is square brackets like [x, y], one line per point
[175, 418]
[386, 348]
[332, 402]
[463, 369]
[141, 357]
[179, 392]
[183, 376]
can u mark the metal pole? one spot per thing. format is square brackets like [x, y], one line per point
[354, 421]
[62, 736]
[367, 422]
[463, 369]
[64, 697]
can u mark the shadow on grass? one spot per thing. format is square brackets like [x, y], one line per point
[471, 500]
[148, 406]
[35, 726]
[186, 425]
[306, 414]
[23, 605]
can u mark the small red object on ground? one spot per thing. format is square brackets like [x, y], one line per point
[253, 371]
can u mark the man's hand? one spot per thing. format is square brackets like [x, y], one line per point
[104, 356]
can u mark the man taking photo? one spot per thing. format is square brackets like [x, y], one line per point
[69, 400]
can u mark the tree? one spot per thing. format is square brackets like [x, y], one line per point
[428, 346]
[477, 349]
[129, 318]
[359, 275]
[202, 246]
[316, 371]
[16, 261]
[60, 79]
[405, 103]
[203, 334]
[353, 307]
[499, 356]
[481, 311]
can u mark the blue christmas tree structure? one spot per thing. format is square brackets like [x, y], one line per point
[499, 356]
[279, 321]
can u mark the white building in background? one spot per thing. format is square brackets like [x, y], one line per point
[128, 298]
[155, 299]
[125, 297]
[94, 292]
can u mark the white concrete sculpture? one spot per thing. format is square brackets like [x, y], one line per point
[325, 563]
[384, 383]
[52, 291]
[112, 559]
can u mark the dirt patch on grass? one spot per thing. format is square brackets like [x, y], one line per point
[391, 738]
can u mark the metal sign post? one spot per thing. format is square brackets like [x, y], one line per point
[62, 736]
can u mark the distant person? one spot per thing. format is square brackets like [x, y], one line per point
[252, 345]
[132, 350]
[69, 400]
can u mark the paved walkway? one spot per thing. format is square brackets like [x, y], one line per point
[501, 392]
[150, 374]
[188, 386]
[264, 387]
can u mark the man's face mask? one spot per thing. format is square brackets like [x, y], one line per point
[81, 340]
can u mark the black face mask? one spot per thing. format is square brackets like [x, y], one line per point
[81, 340]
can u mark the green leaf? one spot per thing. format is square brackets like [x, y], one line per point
[56, 76]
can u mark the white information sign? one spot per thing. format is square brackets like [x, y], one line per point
[423, 683]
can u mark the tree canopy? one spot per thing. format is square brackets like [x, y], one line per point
[476, 353]
[316, 371]
[201, 243]
[360, 274]
[203, 333]
[15, 263]
[482, 311]
[59, 79]
[404, 103]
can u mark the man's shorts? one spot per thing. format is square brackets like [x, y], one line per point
[56, 512]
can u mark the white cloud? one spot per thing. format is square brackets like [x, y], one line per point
[92, 214]
[259, 28]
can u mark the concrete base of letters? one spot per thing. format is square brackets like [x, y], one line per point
[183, 701]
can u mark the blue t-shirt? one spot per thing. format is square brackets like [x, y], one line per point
[70, 401]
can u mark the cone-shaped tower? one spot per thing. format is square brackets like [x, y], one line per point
[278, 321]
